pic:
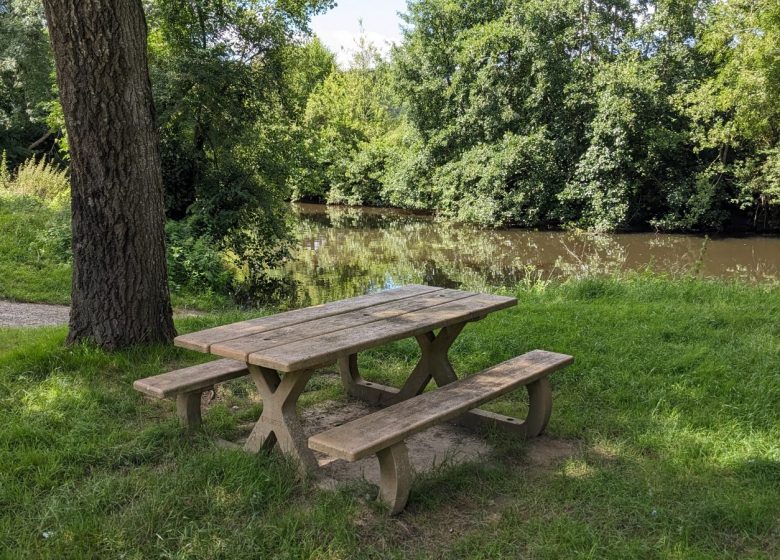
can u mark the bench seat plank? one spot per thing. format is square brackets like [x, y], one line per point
[191, 379]
[318, 350]
[241, 348]
[369, 434]
[202, 340]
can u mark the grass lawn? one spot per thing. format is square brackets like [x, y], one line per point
[33, 251]
[34, 257]
[673, 406]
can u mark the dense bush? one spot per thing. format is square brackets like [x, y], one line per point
[609, 115]
[193, 263]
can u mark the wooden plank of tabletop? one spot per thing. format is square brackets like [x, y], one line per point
[241, 348]
[202, 340]
[327, 347]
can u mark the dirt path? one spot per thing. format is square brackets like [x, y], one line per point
[14, 314]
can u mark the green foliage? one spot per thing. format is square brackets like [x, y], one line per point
[610, 115]
[346, 117]
[631, 144]
[498, 183]
[39, 179]
[27, 92]
[598, 115]
[5, 172]
[735, 109]
[194, 265]
[230, 87]
[484, 86]
[34, 250]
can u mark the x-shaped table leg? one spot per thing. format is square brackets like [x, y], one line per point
[279, 423]
[433, 362]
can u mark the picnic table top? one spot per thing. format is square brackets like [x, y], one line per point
[315, 336]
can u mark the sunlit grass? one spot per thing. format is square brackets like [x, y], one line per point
[34, 256]
[671, 410]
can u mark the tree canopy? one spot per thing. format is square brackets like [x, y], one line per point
[603, 115]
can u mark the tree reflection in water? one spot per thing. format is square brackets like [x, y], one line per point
[343, 252]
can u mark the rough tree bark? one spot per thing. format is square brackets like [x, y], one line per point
[120, 287]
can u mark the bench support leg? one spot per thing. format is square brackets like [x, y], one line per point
[539, 407]
[279, 422]
[188, 410]
[395, 477]
[539, 410]
[434, 363]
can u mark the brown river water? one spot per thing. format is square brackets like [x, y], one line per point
[349, 251]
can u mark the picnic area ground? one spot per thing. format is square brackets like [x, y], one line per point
[664, 443]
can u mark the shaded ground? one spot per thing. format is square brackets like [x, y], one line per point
[442, 445]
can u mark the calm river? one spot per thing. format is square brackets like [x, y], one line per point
[348, 251]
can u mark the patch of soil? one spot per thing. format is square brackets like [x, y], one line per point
[443, 444]
[544, 452]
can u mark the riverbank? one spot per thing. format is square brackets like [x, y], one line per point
[342, 252]
[670, 418]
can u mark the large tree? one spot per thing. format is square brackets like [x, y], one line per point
[120, 288]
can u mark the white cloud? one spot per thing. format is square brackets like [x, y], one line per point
[344, 43]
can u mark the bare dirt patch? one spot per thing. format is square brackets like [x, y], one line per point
[443, 444]
[544, 452]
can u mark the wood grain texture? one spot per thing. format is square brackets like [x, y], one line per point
[362, 437]
[202, 340]
[191, 379]
[241, 348]
[325, 348]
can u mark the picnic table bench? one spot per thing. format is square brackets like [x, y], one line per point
[281, 353]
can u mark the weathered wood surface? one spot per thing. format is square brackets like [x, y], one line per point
[188, 410]
[294, 343]
[241, 348]
[279, 423]
[369, 434]
[318, 350]
[395, 476]
[202, 340]
[191, 379]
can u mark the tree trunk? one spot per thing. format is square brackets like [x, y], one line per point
[120, 287]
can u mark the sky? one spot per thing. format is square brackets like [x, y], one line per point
[339, 28]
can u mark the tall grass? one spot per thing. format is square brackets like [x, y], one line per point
[37, 178]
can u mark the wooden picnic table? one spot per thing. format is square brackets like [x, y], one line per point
[283, 351]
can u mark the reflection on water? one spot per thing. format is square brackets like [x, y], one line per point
[349, 251]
